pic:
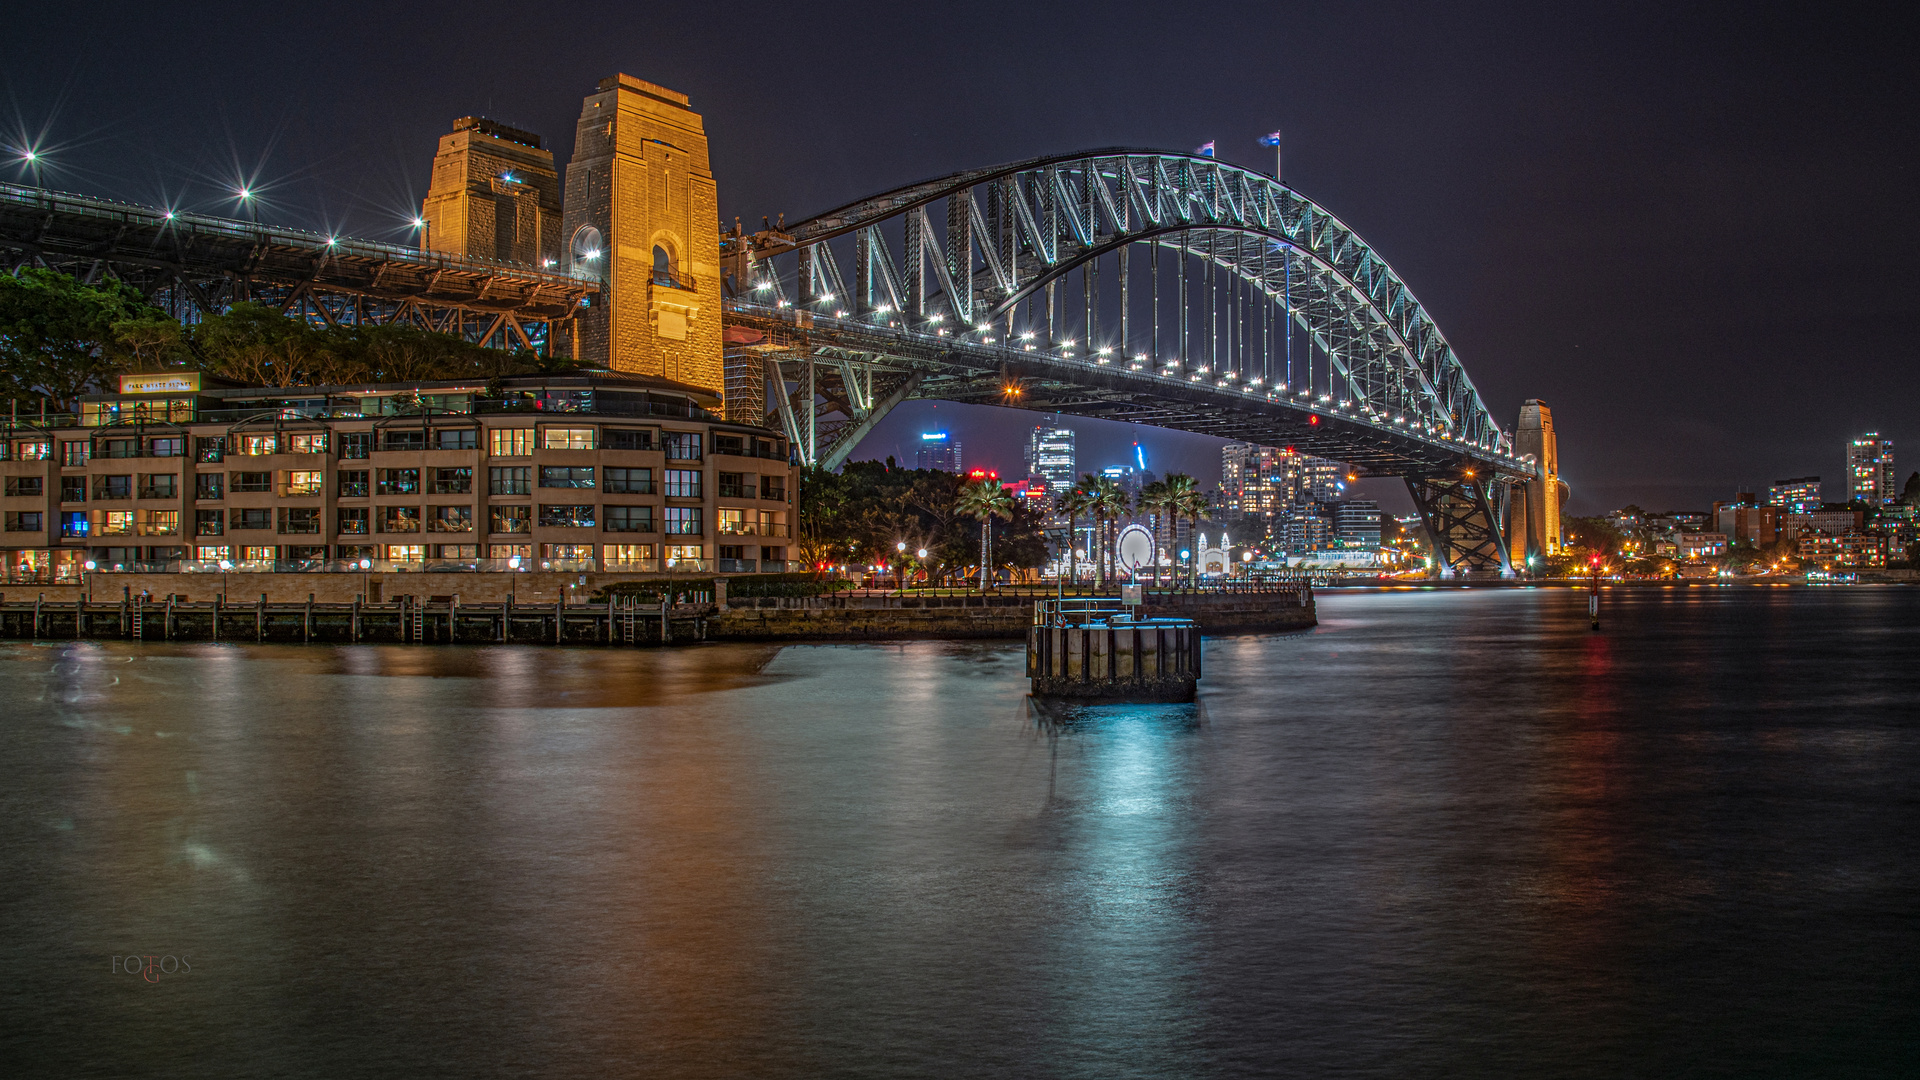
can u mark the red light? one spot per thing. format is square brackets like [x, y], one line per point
[1313, 419]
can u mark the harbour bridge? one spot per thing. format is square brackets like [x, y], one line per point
[1143, 286]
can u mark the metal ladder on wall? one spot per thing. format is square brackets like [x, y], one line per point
[139, 620]
[418, 627]
[629, 623]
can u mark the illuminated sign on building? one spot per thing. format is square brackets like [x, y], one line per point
[182, 382]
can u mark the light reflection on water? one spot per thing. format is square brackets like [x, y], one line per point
[1443, 833]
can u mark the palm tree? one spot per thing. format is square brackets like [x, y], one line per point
[1186, 500]
[1073, 502]
[985, 500]
[1109, 504]
[1153, 500]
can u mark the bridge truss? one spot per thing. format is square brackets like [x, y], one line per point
[192, 266]
[1156, 288]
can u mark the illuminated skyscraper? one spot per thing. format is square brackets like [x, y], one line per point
[1795, 496]
[1271, 480]
[939, 450]
[1870, 476]
[1050, 456]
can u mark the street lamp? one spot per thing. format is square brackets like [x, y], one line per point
[426, 233]
[246, 200]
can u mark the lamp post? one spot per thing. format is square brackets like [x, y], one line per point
[426, 233]
[246, 200]
[900, 564]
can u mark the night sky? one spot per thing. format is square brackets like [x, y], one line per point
[1689, 228]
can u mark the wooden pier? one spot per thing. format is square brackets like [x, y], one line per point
[1102, 650]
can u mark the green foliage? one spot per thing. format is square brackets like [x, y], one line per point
[254, 344]
[784, 585]
[1593, 534]
[57, 336]
[860, 515]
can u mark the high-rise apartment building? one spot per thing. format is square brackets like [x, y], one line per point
[1050, 456]
[641, 215]
[938, 450]
[1795, 496]
[1870, 476]
[1356, 523]
[1270, 480]
[494, 195]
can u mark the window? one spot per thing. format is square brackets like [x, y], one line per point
[210, 448]
[31, 451]
[356, 445]
[662, 267]
[510, 480]
[627, 439]
[352, 520]
[26, 485]
[73, 489]
[75, 452]
[253, 517]
[116, 523]
[510, 551]
[456, 551]
[731, 522]
[683, 483]
[74, 523]
[403, 440]
[174, 446]
[258, 445]
[355, 552]
[160, 486]
[735, 552]
[564, 438]
[113, 487]
[406, 552]
[577, 553]
[353, 484]
[399, 519]
[399, 482]
[625, 556]
[160, 522]
[252, 481]
[452, 481]
[299, 519]
[509, 519]
[567, 517]
[456, 439]
[773, 487]
[209, 522]
[209, 485]
[447, 519]
[735, 485]
[257, 554]
[305, 482]
[629, 481]
[679, 552]
[118, 448]
[213, 553]
[682, 520]
[307, 443]
[729, 444]
[25, 521]
[566, 476]
[510, 442]
[630, 519]
[681, 445]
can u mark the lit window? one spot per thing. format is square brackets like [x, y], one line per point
[510, 442]
[258, 445]
[304, 482]
[566, 438]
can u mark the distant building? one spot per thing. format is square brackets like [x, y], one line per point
[938, 450]
[1848, 549]
[1827, 520]
[1744, 519]
[1276, 482]
[1356, 523]
[1795, 496]
[1870, 470]
[1050, 456]
[1702, 545]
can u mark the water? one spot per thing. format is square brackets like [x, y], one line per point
[1447, 833]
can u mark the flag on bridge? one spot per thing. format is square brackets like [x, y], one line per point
[1205, 149]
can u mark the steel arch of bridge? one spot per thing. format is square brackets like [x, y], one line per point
[954, 293]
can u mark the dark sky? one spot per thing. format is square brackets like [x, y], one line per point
[1690, 228]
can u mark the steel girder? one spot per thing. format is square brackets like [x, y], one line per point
[969, 259]
[1465, 518]
[193, 266]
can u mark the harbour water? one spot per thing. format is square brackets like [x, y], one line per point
[1443, 833]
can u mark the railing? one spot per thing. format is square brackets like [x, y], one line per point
[752, 528]
[735, 566]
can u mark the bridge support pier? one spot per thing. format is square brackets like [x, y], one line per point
[1465, 522]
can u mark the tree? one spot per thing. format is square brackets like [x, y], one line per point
[1186, 500]
[1074, 502]
[56, 334]
[1911, 493]
[1153, 500]
[985, 500]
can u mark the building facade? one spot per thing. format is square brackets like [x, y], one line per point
[1870, 473]
[1050, 457]
[1535, 515]
[1795, 496]
[566, 473]
[939, 450]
